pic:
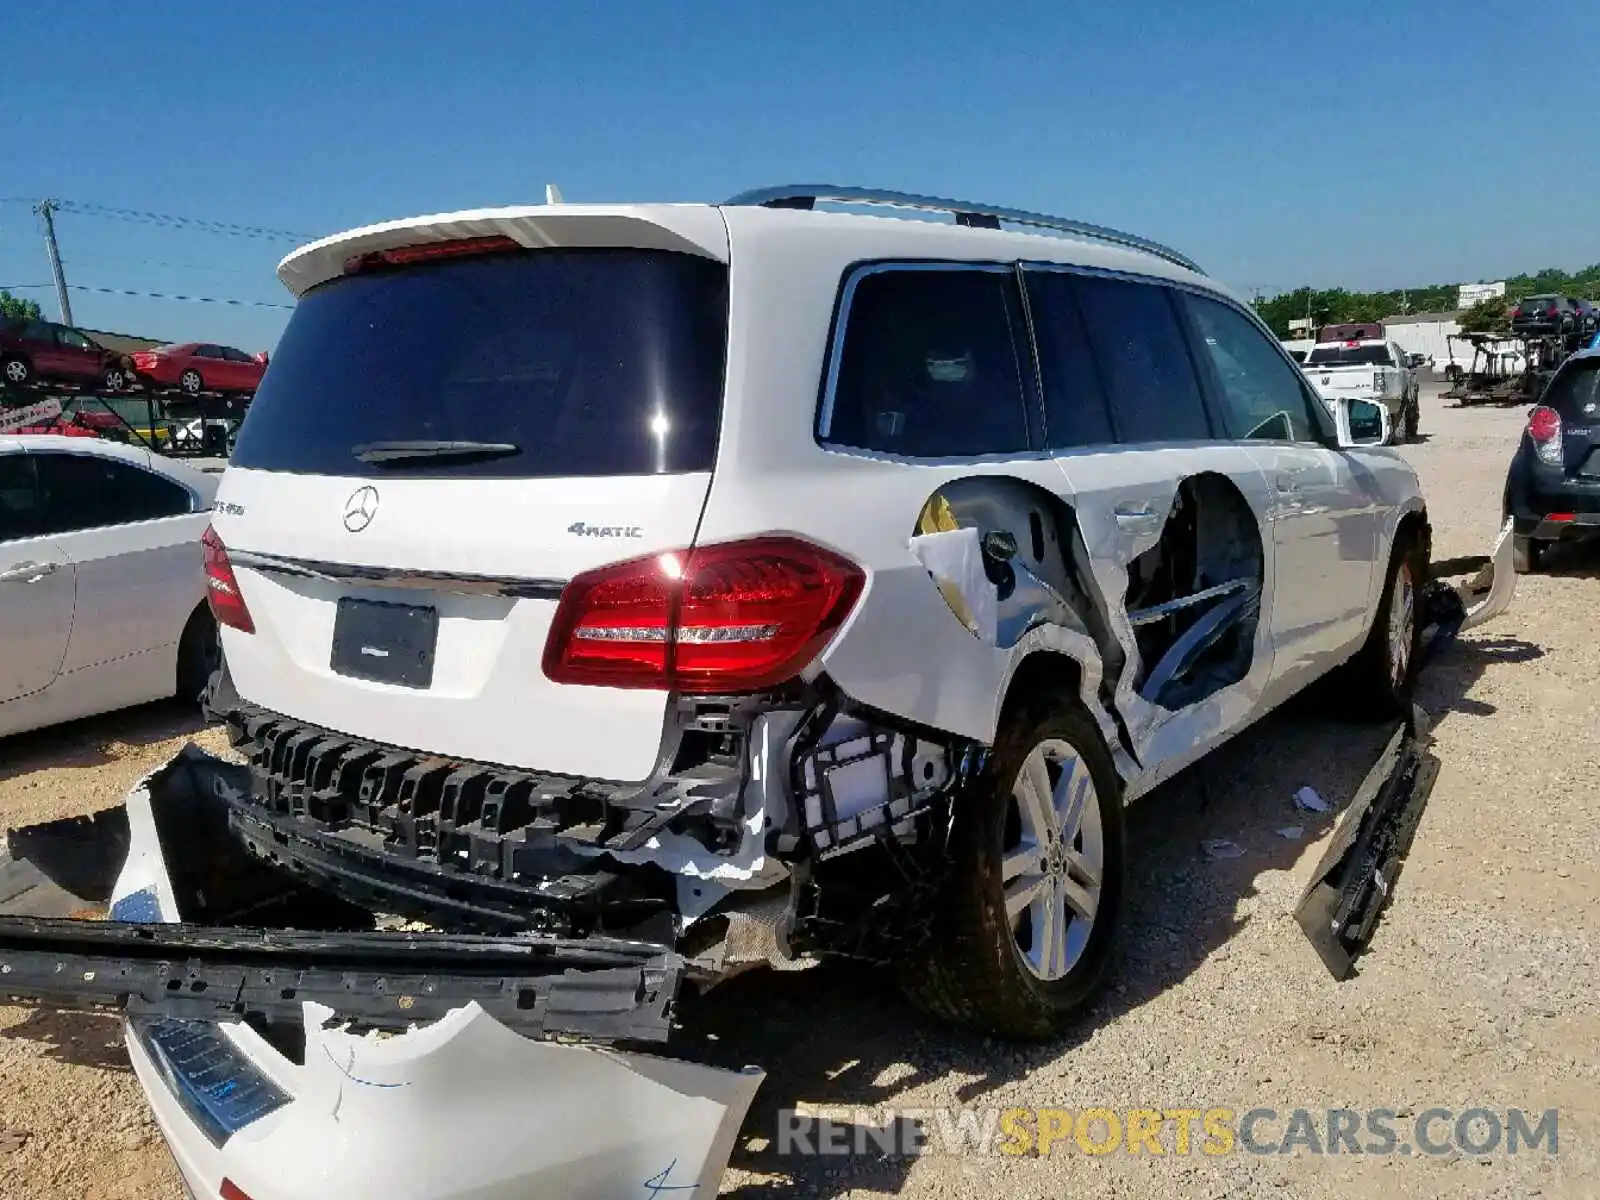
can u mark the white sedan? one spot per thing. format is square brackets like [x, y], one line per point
[102, 589]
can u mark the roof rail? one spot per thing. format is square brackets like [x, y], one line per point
[979, 216]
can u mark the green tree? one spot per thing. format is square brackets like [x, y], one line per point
[16, 306]
[1490, 315]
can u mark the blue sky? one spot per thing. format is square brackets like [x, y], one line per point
[1366, 145]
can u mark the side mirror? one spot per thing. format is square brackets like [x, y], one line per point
[1361, 423]
[1416, 360]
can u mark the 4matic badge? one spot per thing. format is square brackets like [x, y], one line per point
[584, 529]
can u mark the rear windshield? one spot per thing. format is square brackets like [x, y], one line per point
[588, 362]
[1349, 356]
[1575, 393]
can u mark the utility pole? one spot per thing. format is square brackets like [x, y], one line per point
[46, 209]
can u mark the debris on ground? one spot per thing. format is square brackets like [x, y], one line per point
[1222, 848]
[1355, 879]
[1308, 800]
[1292, 833]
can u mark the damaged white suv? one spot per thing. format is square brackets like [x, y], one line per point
[771, 582]
[617, 597]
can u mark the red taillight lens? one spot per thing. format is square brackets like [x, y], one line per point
[232, 1191]
[725, 618]
[222, 587]
[429, 252]
[1552, 311]
[1544, 427]
[1543, 424]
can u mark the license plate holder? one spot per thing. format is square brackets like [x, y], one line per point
[385, 643]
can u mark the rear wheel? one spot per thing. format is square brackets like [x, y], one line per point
[17, 372]
[1028, 916]
[190, 382]
[1526, 553]
[1413, 418]
[114, 379]
[199, 655]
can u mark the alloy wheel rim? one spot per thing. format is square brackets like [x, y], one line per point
[1402, 615]
[1053, 864]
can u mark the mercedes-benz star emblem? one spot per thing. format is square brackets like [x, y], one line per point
[360, 509]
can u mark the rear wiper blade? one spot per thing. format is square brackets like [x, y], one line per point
[424, 449]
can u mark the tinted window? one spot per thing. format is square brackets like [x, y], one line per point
[19, 498]
[38, 331]
[929, 365]
[83, 491]
[1575, 393]
[1349, 356]
[1074, 400]
[238, 356]
[590, 362]
[71, 337]
[1261, 394]
[1144, 360]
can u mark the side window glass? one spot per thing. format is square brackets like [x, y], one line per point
[37, 331]
[19, 498]
[1155, 396]
[1261, 393]
[1076, 413]
[72, 338]
[82, 491]
[929, 365]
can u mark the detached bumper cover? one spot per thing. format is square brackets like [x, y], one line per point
[416, 1081]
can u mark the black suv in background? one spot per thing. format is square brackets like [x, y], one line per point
[1545, 314]
[1588, 317]
[1553, 486]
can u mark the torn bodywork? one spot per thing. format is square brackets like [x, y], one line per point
[1355, 878]
[319, 1061]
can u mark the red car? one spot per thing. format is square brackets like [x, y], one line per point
[39, 351]
[195, 367]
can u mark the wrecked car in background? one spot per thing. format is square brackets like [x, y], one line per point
[615, 598]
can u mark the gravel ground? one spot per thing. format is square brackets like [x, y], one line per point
[1479, 988]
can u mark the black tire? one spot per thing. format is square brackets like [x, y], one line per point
[974, 972]
[16, 372]
[1413, 418]
[1374, 689]
[190, 382]
[115, 379]
[199, 655]
[1526, 553]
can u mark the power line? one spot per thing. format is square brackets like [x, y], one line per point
[105, 291]
[141, 216]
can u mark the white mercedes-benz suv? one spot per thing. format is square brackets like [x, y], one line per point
[769, 581]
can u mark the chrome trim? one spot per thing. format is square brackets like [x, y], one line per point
[806, 196]
[400, 577]
[841, 323]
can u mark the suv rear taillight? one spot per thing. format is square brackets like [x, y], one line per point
[1552, 311]
[1544, 427]
[429, 252]
[222, 587]
[732, 617]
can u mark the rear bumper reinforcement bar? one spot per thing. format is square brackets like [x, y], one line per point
[600, 989]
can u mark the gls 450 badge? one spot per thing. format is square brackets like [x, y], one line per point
[583, 529]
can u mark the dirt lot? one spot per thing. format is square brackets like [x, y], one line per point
[1479, 990]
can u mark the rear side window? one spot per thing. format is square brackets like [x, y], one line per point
[1076, 413]
[82, 491]
[1155, 395]
[19, 498]
[1261, 395]
[587, 362]
[1575, 393]
[928, 366]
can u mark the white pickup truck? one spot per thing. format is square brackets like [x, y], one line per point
[1369, 369]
